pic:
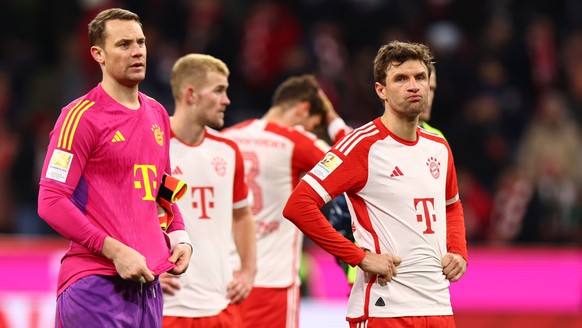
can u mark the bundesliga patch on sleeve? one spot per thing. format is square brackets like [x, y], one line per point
[327, 165]
[59, 166]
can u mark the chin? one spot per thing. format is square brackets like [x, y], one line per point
[217, 124]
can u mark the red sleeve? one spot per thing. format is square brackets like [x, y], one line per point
[306, 152]
[456, 240]
[302, 209]
[240, 186]
[55, 207]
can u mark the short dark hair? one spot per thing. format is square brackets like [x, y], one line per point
[97, 25]
[397, 52]
[299, 88]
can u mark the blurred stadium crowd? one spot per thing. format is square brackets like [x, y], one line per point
[509, 97]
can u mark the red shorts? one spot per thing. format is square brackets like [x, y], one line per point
[436, 321]
[227, 318]
[271, 307]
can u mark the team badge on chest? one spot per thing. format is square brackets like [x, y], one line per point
[434, 166]
[158, 134]
[219, 165]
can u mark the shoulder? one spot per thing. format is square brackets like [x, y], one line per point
[431, 130]
[360, 138]
[84, 109]
[153, 103]
[217, 136]
[238, 126]
[296, 134]
[431, 135]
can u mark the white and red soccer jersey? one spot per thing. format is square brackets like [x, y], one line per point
[275, 158]
[214, 172]
[101, 176]
[398, 193]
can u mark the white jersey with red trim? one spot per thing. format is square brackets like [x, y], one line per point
[214, 172]
[397, 193]
[275, 158]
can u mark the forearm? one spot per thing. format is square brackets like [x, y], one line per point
[55, 207]
[303, 209]
[245, 239]
[456, 239]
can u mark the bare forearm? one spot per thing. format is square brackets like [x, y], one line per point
[245, 240]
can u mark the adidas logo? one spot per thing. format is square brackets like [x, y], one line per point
[118, 137]
[380, 302]
[177, 171]
[396, 172]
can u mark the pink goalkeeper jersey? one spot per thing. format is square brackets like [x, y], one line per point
[275, 157]
[108, 161]
[398, 192]
[214, 172]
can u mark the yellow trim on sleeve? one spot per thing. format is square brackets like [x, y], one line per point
[69, 128]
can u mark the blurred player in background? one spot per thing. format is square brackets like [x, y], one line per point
[277, 150]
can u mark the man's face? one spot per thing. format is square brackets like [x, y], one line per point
[124, 52]
[406, 89]
[212, 100]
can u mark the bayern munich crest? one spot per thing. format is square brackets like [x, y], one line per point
[434, 167]
[158, 134]
[219, 165]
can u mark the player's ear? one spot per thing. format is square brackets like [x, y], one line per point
[190, 94]
[97, 54]
[380, 90]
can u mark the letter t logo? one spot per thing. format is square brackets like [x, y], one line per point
[426, 212]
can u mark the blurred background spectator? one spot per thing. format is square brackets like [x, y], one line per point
[509, 97]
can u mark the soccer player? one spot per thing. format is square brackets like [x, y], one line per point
[402, 188]
[217, 206]
[105, 163]
[339, 215]
[277, 150]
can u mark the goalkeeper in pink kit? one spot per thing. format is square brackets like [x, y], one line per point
[105, 164]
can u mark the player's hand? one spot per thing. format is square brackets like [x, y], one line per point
[181, 257]
[240, 287]
[170, 283]
[454, 266]
[383, 265]
[129, 263]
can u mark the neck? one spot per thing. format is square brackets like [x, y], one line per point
[404, 128]
[127, 96]
[186, 129]
[277, 115]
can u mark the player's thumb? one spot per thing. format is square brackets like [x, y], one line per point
[396, 260]
[174, 257]
[149, 276]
